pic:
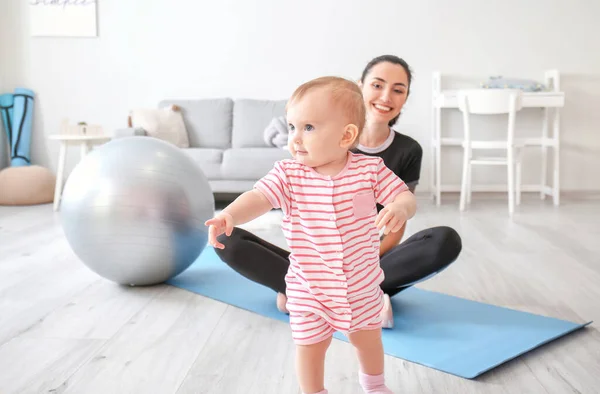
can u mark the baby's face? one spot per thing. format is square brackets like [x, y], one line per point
[316, 128]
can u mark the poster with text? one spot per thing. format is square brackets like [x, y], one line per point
[63, 18]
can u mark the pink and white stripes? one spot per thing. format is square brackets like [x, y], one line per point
[329, 223]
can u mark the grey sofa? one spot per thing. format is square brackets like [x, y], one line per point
[227, 139]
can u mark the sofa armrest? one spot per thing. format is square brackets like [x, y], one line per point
[129, 132]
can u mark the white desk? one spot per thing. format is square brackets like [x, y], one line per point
[85, 142]
[549, 101]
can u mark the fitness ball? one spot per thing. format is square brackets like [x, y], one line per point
[133, 210]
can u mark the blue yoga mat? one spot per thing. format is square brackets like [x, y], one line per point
[450, 334]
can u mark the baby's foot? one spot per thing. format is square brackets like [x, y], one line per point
[281, 301]
[373, 384]
[387, 315]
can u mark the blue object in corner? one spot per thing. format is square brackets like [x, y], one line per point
[6, 110]
[21, 127]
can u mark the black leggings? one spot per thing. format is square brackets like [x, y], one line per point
[422, 255]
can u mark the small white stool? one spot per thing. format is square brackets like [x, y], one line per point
[85, 142]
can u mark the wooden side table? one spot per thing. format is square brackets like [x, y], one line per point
[85, 143]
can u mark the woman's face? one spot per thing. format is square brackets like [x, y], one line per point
[385, 90]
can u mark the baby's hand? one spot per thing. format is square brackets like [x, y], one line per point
[392, 217]
[220, 224]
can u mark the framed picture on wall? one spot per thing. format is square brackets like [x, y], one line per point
[63, 18]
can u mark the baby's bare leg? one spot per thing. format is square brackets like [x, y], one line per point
[369, 349]
[310, 366]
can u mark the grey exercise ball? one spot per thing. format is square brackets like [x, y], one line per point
[133, 210]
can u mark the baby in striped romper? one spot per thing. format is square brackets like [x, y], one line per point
[328, 197]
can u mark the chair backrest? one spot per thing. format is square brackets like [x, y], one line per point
[490, 101]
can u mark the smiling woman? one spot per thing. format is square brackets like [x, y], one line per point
[386, 84]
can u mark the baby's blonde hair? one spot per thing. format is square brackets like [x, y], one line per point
[344, 93]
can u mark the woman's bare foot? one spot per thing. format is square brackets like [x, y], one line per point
[387, 315]
[281, 301]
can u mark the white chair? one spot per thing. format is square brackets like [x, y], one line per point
[491, 102]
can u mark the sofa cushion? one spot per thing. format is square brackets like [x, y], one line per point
[165, 123]
[251, 118]
[208, 121]
[250, 163]
[208, 159]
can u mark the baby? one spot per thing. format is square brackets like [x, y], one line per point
[328, 197]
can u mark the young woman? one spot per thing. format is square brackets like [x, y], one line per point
[385, 83]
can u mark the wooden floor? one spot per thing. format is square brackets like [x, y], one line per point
[63, 329]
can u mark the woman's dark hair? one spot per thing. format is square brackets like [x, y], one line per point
[389, 59]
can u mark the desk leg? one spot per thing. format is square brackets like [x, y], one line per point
[556, 144]
[62, 155]
[438, 156]
[544, 175]
[85, 148]
[432, 170]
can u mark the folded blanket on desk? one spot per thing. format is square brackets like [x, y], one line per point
[499, 82]
[276, 133]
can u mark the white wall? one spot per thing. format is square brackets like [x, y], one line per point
[154, 49]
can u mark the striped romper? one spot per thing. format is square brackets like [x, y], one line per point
[333, 280]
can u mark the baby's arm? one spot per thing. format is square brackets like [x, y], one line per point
[271, 191]
[243, 209]
[248, 206]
